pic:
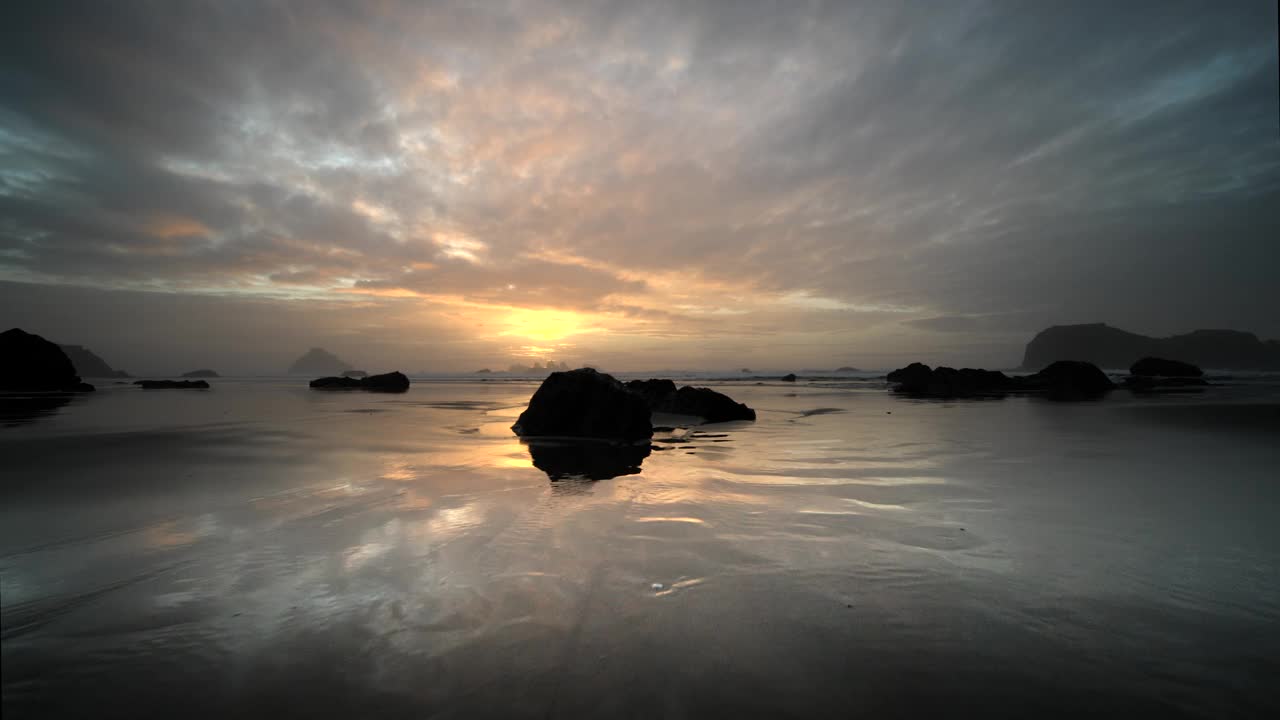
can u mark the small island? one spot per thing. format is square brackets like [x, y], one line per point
[388, 382]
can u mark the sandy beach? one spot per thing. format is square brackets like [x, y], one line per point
[263, 548]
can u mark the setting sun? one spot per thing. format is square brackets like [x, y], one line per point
[544, 325]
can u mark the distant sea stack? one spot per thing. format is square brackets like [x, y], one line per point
[318, 361]
[202, 373]
[29, 362]
[87, 364]
[1110, 347]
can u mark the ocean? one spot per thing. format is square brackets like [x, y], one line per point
[264, 549]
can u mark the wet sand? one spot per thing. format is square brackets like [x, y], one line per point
[261, 548]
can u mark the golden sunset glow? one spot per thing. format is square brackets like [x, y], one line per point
[544, 325]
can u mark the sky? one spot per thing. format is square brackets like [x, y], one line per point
[633, 185]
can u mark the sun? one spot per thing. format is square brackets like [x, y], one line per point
[544, 325]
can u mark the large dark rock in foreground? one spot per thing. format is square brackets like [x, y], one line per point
[1110, 347]
[1065, 379]
[588, 459]
[705, 403]
[29, 362]
[584, 403]
[1164, 368]
[318, 361]
[387, 382]
[202, 373]
[89, 365]
[172, 384]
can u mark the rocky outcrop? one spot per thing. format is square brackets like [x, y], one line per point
[89, 365]
[28, 362]
[1152, 374]
[847, 369]
[387, 382]
[1110, 347]
[1153, 366]
[789, 377]
[707, 404]
[1065, 379]
[318, 361]
[202, 373]
[585, 403]
[711, 406]
[172, 384]
[355, 374]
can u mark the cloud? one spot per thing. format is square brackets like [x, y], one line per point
[725, 168]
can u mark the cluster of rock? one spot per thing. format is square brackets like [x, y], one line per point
[1064, 379]
[172, 384]
[1152, 373]
[590, 404]
[30, 363]
[387, 382]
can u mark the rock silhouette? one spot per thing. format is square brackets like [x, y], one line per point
[355, 374]
[847, 369]
[318, 361]
[1110, 347]
[1164, 368]
[789, 377]
[89, 365]
[172, 384]
[387, 382]
[712, 406]
[584, 403]
[29, 362]
[1064, 379]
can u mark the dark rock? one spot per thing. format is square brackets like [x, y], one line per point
[915, 374]
[172, 384]
[29, 362]
[87, 364]
[847, 369]
[655, 392]
[918, 379]
[563, 459]
[711, 406]
[745, 370]
[789, 377]
[318, 361]
[204, 373]
[1110, 347]
[355, 374]
[387, 382]
[584, 403]
[1165, 368]
[708, 404]
[1068, 379]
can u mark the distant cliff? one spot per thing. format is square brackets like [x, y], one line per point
[90, 365]
[1110, 347]
[318, 361]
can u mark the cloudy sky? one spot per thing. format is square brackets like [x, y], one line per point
[634, 184]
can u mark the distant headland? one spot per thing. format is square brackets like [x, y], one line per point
[1110, 347]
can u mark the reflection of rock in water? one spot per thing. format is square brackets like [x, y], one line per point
[20, 410]
[592, 460]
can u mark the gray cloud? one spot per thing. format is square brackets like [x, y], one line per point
[932, 173]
